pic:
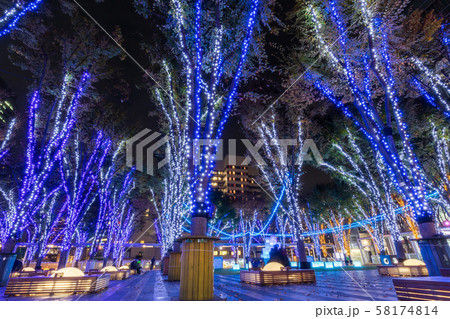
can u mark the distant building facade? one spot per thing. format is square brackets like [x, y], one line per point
[234, 179]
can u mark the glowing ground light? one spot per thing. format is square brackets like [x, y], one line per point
[273, 266]
[69, 272]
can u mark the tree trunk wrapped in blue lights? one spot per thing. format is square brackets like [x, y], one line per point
[213, 55]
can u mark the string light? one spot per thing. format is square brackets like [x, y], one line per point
[438, 87]
[79, 170]
[336, 224]
[313, 225]
[202, 100]
[405, 173]
[40, 163]
[283, 172]
[81, 240]
[4, 107]
[12, 16]
[169, 205]
[112, 198]
[3, 147]
[247, 227]
[377, 191]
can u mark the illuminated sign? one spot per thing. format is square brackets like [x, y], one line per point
[317, 264]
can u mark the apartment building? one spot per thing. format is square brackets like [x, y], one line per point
[234, 179]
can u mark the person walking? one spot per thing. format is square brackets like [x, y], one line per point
[152, 264]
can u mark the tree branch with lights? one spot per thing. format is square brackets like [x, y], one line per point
[213, 60]
[79, 170]
[282, 173]
[115, 187]
[374, 185]
[363, 74]
[10, 18]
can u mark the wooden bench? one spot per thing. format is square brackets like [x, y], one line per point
[425, 288]
[445, 272]
[286, 277]
[403, 271]
[114, 275]
[36, 273]
[29, 286]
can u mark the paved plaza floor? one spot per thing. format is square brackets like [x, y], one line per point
[332, 285]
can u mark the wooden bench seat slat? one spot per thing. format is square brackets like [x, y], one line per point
[52, 285]
[278, 277]
[402, 271]
[426, 288]
[423, 291]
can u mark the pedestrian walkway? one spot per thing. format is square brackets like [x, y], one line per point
[330, 286]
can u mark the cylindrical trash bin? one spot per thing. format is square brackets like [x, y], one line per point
[6, 265]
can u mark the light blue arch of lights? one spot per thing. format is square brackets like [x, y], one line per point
[360, 223]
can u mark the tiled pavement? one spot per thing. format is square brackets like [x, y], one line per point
[336, 285]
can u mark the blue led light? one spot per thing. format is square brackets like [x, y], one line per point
[360, 223]
[14, 16]
[405, 172]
